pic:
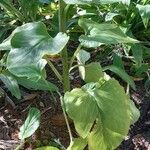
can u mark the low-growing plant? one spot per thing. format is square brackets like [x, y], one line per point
[101, 110]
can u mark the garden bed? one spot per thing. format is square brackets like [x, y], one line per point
[53, 127]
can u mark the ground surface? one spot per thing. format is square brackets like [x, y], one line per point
[53, 126]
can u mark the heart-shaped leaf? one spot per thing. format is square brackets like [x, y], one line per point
[104, 106]
[29, 45]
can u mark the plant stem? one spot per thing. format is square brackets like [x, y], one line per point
[64, 54]
[54, 69]
[78, 65]
[66, 118]
[74, 55]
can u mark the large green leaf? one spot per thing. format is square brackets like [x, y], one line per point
[96, 1]
[29, 45]
[11, 84]
[97, 34]
[31, 123]
[104, 102]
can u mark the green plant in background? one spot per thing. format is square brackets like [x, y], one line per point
[101, 110]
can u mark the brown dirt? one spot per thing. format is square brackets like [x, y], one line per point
[139, 134]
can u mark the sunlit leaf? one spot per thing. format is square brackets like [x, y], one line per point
[29, 45]
[97, 103]
[76, 101]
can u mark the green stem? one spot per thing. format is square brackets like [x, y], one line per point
[74, 55]
[66, 118]
[54, 69]
[66, 82]
[64, 54]
[75, 66]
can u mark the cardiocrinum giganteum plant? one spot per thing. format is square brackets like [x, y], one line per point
[101, 110]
